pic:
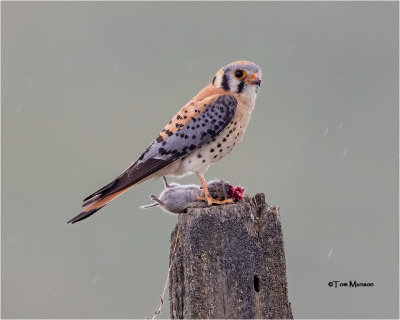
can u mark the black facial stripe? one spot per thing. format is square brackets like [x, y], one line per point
[213, 80]
[240, 87]
[224, 83]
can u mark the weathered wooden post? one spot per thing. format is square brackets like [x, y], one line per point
[229, 262]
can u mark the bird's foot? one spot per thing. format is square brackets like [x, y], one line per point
[210, 200]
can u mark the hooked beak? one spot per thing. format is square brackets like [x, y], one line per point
[254, 79]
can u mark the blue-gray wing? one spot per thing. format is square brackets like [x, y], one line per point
[195, 133]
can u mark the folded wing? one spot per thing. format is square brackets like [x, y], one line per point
[172, 144]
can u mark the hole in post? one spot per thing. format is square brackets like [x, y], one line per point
[257, 283]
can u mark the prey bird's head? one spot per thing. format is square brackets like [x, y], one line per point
[241, 77]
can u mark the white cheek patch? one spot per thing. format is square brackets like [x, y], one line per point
[236, 85]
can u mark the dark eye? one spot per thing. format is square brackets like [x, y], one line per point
[240, 74]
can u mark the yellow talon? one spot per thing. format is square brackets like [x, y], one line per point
[211, 201]
[207, 197]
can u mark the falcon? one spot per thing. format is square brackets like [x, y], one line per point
[203, 131]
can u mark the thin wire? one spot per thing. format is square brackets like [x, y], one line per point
[158, 311]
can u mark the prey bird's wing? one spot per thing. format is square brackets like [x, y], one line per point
[196, 123]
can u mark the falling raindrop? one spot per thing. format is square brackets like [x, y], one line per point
[344, 153]
[291, 47]
[326, 131]
[329, 253]
[29, 83]
[95, 279]
[18, 109]
[116, 67]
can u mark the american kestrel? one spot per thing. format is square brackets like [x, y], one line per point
[203, 131]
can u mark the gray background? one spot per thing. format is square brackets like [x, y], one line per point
[87, 86]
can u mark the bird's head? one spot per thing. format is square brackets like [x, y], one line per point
[241, 77]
